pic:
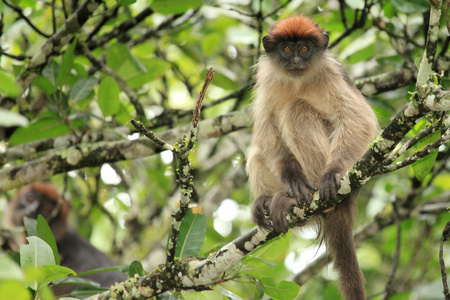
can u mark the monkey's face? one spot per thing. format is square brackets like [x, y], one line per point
[33, 203]
[295, 57]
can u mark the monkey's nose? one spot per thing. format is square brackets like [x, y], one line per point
[296, 60]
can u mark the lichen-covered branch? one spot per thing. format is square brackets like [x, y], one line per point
[371, 229]
[118, 31]
[55, 43]
[95, 154]
[385, 82]
[183, 172]
[418, 154]
[189, 273]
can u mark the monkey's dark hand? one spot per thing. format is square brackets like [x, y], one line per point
[300, 190]
[260, 212]
[298, 187]
[330, 184]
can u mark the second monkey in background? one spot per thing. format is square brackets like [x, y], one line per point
[310, 126]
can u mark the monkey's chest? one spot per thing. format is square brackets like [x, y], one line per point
[301, 121]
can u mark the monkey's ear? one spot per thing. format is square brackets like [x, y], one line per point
[326, 39]
[268, 43]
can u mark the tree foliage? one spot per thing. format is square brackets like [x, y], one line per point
[73, 74]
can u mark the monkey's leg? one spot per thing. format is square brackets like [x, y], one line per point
[338, 237]
[263, 184]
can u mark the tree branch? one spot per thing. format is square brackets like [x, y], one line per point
[55, 43]
[95, 154]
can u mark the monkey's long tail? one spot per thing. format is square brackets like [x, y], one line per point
[338, 237]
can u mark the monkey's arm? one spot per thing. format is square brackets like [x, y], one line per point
[353, 130]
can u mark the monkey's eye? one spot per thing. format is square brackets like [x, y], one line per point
[304, 49]
[287, 49]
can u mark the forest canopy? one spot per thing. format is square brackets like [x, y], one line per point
[101, 98]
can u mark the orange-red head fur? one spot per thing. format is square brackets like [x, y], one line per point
[40, 198]
[296, 28]
[41, 191]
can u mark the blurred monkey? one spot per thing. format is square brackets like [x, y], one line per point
[75, 252]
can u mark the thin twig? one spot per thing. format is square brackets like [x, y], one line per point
[447, 16]
[341, 9]
[408, 145]
[390, 282]
[358, 23]
[209, 77]
[417, 155]
[18, 10]
[16, 57]
[278, 8]
[53, 16]
[148, 133]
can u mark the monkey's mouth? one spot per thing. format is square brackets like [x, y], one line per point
[297, 71]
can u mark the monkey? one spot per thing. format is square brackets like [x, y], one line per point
[310, 126]
[75, 252]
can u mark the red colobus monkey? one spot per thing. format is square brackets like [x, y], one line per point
[310, 126]
[75, 252]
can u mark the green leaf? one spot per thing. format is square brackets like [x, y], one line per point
[9, 269]
[210, 43]
[82, 88]
[51, 72]
[108, 96]
[47, 125]
[86, 292]
[255, 262]
[44, 232]
[122, 61]
[192, 234]
[155, 68]
[15, 256]
[228, 294]
[37, 253]
[423, 166]
[116, 55]
[30, 226]
[10, 119]
[76, 281]
[44, 85]
[49, 273]
[8, 84]
[203, 295]
[411, 6]
[268, 258]
[358, 44]
[223, 81]
[66, 64]
[101, 270]
[11, 289]
[280, 290]
[126, 2]
[136, 268]
[174, 6]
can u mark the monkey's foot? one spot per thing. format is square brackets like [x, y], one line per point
[261, 212]
[279, 210]
[330, 184]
